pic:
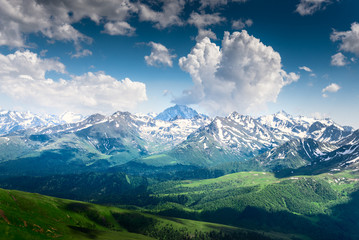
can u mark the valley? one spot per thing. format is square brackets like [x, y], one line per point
[181, 173]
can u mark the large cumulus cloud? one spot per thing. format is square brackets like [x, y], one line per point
[242, 75]
[23, 80]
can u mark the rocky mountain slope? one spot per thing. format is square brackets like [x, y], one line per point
[239, 137]
[11, 121]
[99, 141]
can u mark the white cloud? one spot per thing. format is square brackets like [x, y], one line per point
[240, 24]
[97, 11]
[307, 69]
[82, 53]
[309, 7]
[332, 88]
[205, 34]
[339, 60]
[23, 80]
[201, 64]
[19, 17]
[43, 52]
[349, 40]
[166, 92]
[244, 75]
[54, 19]
[26, 63]
[215, 3]
[160, 55]
[203, 20]
[319, 115]
[119, 28]
[169, 16]
[67, 33]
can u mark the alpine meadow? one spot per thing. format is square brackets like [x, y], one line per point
[179, 119]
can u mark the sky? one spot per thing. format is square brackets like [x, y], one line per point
[255, 57]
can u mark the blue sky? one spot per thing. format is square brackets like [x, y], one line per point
[251, 56]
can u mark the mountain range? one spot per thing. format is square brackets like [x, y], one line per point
[11, 121]
[275, 177]
[179, 136]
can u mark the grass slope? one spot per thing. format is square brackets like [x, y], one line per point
[33, 216]
[319, 207]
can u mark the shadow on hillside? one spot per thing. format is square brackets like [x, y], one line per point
[88, 211]
[258, 219]
[347, 215]
[85, 232]
[135, 222]
[342, 223]
[309, 170]
[47, 163]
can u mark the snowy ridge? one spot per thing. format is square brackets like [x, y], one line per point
[286, 127]
[157, 135]
[351, 139]
[11, 121]
[346, 157]
[294, 153]
[236, 133]
[277, 140]
[239, 132]
[239, 137]
[168, 133]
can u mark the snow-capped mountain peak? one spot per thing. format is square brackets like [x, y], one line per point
[283, 115]
[286, 127]
[177, 112]
[11, 121]
[236, 137]
[152, 114]
[243, 120]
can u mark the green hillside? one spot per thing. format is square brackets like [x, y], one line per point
[33, 216]
[321, 207]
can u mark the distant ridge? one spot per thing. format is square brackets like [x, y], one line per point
[186, 138]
